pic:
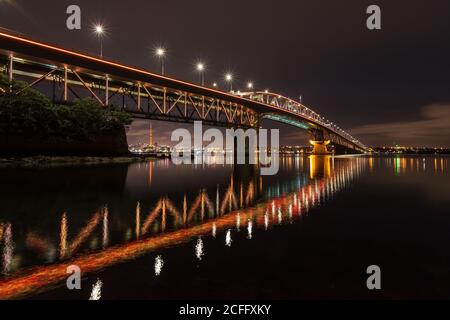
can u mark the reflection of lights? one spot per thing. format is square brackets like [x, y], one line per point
[84, 233]
[199, 249]
[105, 227]
[40, 277]
[96, 293]
[214, 230]
[8, 249]
[280, 216]
[40, 245]
[266, 220]
[228, 239]
[159, 263]
[238, 221]
[138, 220]
[63, 237]
[250, 228]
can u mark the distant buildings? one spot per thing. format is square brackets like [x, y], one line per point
[145, 148]
[409, 150]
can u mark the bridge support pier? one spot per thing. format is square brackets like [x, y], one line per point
[319, 142]
[320, 147]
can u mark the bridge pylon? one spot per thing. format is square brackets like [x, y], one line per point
[319, 142]
[320, 147]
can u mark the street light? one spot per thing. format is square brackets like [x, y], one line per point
[229, 78]
[250, 85]
[161, 53]
[215, 84]
[201, 70]
[100, 31]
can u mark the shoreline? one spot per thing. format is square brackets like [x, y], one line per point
[60, 161]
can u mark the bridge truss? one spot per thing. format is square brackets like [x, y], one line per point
[319, 127]
[143, 100]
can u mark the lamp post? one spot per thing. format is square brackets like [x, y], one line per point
[160, 53]
[229, 79]
[99, 31]
[201, 70]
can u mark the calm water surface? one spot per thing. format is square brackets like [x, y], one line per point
[158, 231]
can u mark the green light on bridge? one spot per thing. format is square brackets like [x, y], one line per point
[287, 121]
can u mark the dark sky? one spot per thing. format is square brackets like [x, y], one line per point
[387, 86]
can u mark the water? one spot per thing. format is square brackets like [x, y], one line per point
[153, 230]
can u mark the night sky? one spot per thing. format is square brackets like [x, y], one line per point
[386, 86]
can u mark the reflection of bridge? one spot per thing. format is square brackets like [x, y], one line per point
[153, 96]
[232, 211]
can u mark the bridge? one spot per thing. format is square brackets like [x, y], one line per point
[148, 95]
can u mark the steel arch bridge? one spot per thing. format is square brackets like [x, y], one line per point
[147, 95]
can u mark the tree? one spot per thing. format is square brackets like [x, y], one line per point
[31, 112]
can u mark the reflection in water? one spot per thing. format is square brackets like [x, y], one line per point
[199, 249]
[249, 229]
[266, 221]
[320, 166]
[159, 263]
[105, 227]
[96, 293]
[280, 216]
[238, 221]
[228, 238]
[214, 230]
[138, 220]
[8, 249]
[84, 233]
[154, 220]
[63, 237]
